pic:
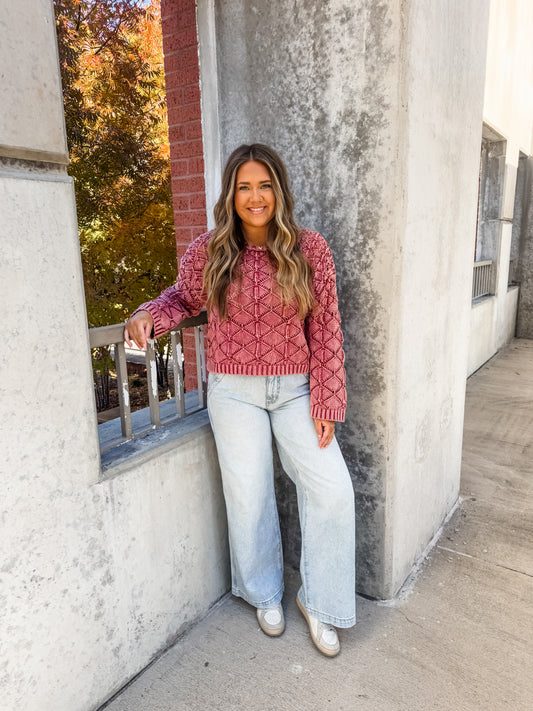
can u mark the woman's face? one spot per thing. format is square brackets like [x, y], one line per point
[255, 202]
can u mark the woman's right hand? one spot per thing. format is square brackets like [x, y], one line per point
[138, 329]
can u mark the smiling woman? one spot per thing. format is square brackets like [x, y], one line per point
[255, 201]
[274, 353]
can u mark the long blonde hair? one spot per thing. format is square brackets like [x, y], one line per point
[294, 273]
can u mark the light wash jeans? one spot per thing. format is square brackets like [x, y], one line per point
[245, 410]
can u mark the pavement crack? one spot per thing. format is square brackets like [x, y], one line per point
[514, 570]
[488, 562]
[412, 622]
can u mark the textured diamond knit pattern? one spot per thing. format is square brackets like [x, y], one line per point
[261, 336]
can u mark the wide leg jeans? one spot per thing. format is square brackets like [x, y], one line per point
[245, 411]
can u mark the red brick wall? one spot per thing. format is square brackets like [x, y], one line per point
[180, 45]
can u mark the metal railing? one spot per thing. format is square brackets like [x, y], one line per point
[483, 281]
[114, 336]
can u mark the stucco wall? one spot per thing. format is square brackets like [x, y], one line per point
[508, 100]
[97, 576]
[380, 127]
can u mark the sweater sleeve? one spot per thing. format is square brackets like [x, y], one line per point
[324, 337]
[186, 297]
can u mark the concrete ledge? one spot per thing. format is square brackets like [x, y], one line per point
[482, 300]
[137, 451]
[34, 154]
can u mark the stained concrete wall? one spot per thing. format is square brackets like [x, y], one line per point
[524, 326]
[379, 123]
[97, 575]
[519, 215]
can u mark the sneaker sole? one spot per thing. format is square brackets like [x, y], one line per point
[324, 650]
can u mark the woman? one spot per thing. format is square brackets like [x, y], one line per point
[276, 367]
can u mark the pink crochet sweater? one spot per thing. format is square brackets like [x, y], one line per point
[260, 336]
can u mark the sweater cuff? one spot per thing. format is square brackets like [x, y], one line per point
[319, 412]
[154, 312]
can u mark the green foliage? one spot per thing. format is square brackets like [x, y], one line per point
[114, 96]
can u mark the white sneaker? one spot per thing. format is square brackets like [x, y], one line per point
[324, 636]
[271, 620]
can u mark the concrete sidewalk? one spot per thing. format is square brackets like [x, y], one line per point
[460, 635]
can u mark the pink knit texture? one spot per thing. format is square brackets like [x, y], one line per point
[261, 336]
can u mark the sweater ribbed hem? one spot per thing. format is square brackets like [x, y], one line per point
[320, 412]
[257, 368]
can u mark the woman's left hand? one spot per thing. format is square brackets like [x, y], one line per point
[325, 430]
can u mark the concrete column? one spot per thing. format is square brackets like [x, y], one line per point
[48, 436]
[376, 108]
[507, 297]
[524, 328]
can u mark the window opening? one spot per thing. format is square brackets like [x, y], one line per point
[111, 60]
[490, 196]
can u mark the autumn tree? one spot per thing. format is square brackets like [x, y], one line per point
[112, 72]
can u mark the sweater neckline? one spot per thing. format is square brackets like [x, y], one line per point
[255, 247]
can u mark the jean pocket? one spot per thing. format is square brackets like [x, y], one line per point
[299, 381]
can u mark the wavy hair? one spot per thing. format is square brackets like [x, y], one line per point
[293, 272]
